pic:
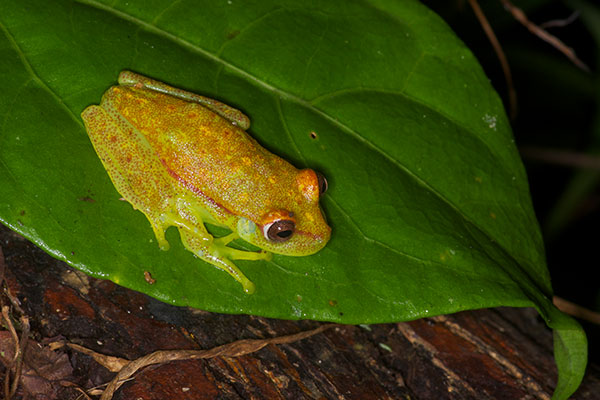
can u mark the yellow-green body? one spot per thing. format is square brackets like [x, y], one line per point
[183, 160]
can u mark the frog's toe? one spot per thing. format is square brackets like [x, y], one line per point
[249, 287]
[162, 242]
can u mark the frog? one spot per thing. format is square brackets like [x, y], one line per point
[186, 160]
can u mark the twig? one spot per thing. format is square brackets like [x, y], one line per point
[113, 364]
[2, 266]
[14, 366]
[576, 310]
[512, 94]
[12, 330]
[520, 16]
[234, 349]
[7, 363]
[83, 393]
[14, 301]
[560, 23]
[22, 348]
[561, 157]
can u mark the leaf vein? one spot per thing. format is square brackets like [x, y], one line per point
[34, 76]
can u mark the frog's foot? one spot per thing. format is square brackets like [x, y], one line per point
[235, 116]
[234, 271]
[159, 232]
[163, 221]
[217, 255]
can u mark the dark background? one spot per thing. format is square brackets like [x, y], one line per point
[558, 110]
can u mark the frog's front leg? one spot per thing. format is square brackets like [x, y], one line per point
[233, 115]
[217, 255]
[236, 254]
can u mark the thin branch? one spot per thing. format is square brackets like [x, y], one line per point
[576, 310]
[113, 364]
[561, 23]
[22, 348]
[234, 349]
[12, 330]
[561, 157]
[512, 94]
[82, 393]
[2, 266]
[14, 367]
[520, 16]
[14, 364]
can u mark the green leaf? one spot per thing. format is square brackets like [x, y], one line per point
[428, 199]
[570, 353]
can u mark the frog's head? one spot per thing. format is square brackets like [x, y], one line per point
[297, 229]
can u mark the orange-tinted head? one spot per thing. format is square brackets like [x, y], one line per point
[297, 229]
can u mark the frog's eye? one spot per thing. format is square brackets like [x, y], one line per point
[322, 183]
[279, 231]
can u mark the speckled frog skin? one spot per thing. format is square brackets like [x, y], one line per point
[183, 159]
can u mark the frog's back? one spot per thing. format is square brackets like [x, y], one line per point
[207, 154]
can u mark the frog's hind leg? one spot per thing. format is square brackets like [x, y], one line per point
[135, 172]
[233, 115]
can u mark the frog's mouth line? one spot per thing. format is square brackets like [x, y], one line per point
[199, 192]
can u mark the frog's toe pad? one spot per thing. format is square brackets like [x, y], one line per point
[249, 287]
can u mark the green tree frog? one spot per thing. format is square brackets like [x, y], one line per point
[184, 160]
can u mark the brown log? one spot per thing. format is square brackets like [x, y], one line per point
[484, 354]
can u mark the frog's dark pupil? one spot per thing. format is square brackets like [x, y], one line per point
[281, 230]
